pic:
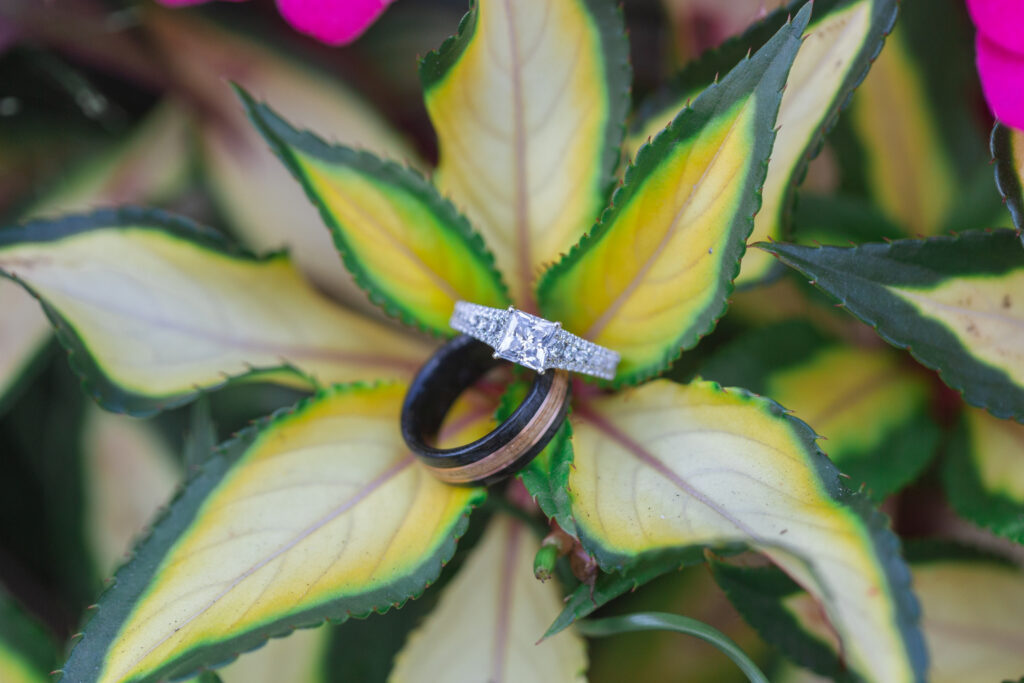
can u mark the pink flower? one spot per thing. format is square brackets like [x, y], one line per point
[1000, 56]
[335, 22]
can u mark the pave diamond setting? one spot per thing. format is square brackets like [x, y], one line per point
[533, 342]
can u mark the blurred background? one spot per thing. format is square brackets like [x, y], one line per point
[107, 103]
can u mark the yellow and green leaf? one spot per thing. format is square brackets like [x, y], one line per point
[843, 37]
[266, 209]
[655, 274]
[496, 640]
[149, 166]
[1008, 151]
[872, 408]
[957, 304]
[912, 140]
[154, 310]
[528, 102]
[318, 512]
[412, 251]
[984, 473]
[669, 469]
[27, 653]
[970, 616]
[971, 619]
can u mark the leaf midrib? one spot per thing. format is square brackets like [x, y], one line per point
[283, 351]
[605, 318]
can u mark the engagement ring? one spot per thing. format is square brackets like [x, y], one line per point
[533, 342]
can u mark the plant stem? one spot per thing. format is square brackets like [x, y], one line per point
[661, 621]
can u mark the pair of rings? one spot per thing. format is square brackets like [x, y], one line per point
[488, 335]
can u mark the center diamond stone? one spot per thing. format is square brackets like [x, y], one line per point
[526, 340]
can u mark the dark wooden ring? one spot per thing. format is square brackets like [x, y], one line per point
[501, 453]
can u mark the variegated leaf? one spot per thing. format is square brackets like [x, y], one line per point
[957, 303]
[147, 167]
[917, 143]
[27, 654]
[406, 245]
[843, 37]
[970, 618]
[984, 473]
[265, 207]
[669, 469]
[656, 272]
[872, 409]
[154, 309]
[316, 513]
[528, 101]
[497, 639]
[1008, 151]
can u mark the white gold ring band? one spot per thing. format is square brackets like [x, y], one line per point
[533, 342]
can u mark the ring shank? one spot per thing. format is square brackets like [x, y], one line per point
[453, 369]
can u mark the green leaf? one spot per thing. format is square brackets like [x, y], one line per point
[662, 655]
[668, 468]
[840, 220]
[983, 473]
[656, 621]
[510, 609]
[655, 274]
[528, 101]
[1007, 147]
[843, 38]
[915, 124]
[148, 166]
[407, 246]
[265, 208]
[27, 654]
[971, 617]
[956, 303]
[873, 410]
[760, 594]
[585, 599]
[316, 513]
[153, 310]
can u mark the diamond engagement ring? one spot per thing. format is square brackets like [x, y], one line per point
[533, 342]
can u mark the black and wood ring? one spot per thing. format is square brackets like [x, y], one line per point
[499, 454]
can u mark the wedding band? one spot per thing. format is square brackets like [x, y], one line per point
[533, 342]
[501, 453]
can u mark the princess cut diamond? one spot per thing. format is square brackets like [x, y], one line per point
[526, 340]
